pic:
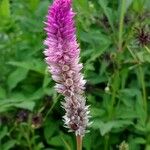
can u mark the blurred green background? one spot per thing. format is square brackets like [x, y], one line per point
[114, 37]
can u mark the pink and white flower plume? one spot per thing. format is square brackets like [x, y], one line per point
[62, 57]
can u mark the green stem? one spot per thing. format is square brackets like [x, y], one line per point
[66, 144]
[26, 135]
[121, 23]
[112, 104]
[113, 97]
[111, 110]
[143, 87]
[79, 142]
[106, 142]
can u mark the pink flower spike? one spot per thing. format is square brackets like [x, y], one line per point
[62, 56]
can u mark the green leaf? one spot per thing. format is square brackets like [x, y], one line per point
[140, 110]
[107, 12]
[138, 5]
[131, 92]
[2, 93]
[42, 8]
[47, 79]
[56, 141]
[37, 65]
[126, 112]
[147, 147]
[26, 105]
[3, 132]
[106, 127]
[96, 79]
[128, 4]
[96, 112]
[143, 56]
[95, 38]
[8, 145]
[4, 8]
[48, 132]
[128, 95]
[37, 94]
[83, 4]
[33, 4]
[15, 77]
[140, 140]
[98, 53]
[116, 81]
[6, 105]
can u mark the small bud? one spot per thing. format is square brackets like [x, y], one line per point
[69, 82]
[113, 56]
[107, 89]
[123, 146]
[65, 68]
[36, 121]
[70, 73]
[22, 115]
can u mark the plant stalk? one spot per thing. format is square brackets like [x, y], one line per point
[106, 145]
[121, 20]
[143, 88]
[79, 142]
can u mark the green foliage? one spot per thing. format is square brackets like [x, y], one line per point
[116, 67]
[5, 8]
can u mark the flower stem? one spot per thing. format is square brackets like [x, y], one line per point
[106, 145]
[79, 142]
[122, 13]
[143, 88]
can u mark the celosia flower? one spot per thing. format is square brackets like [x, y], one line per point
[62, 57]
